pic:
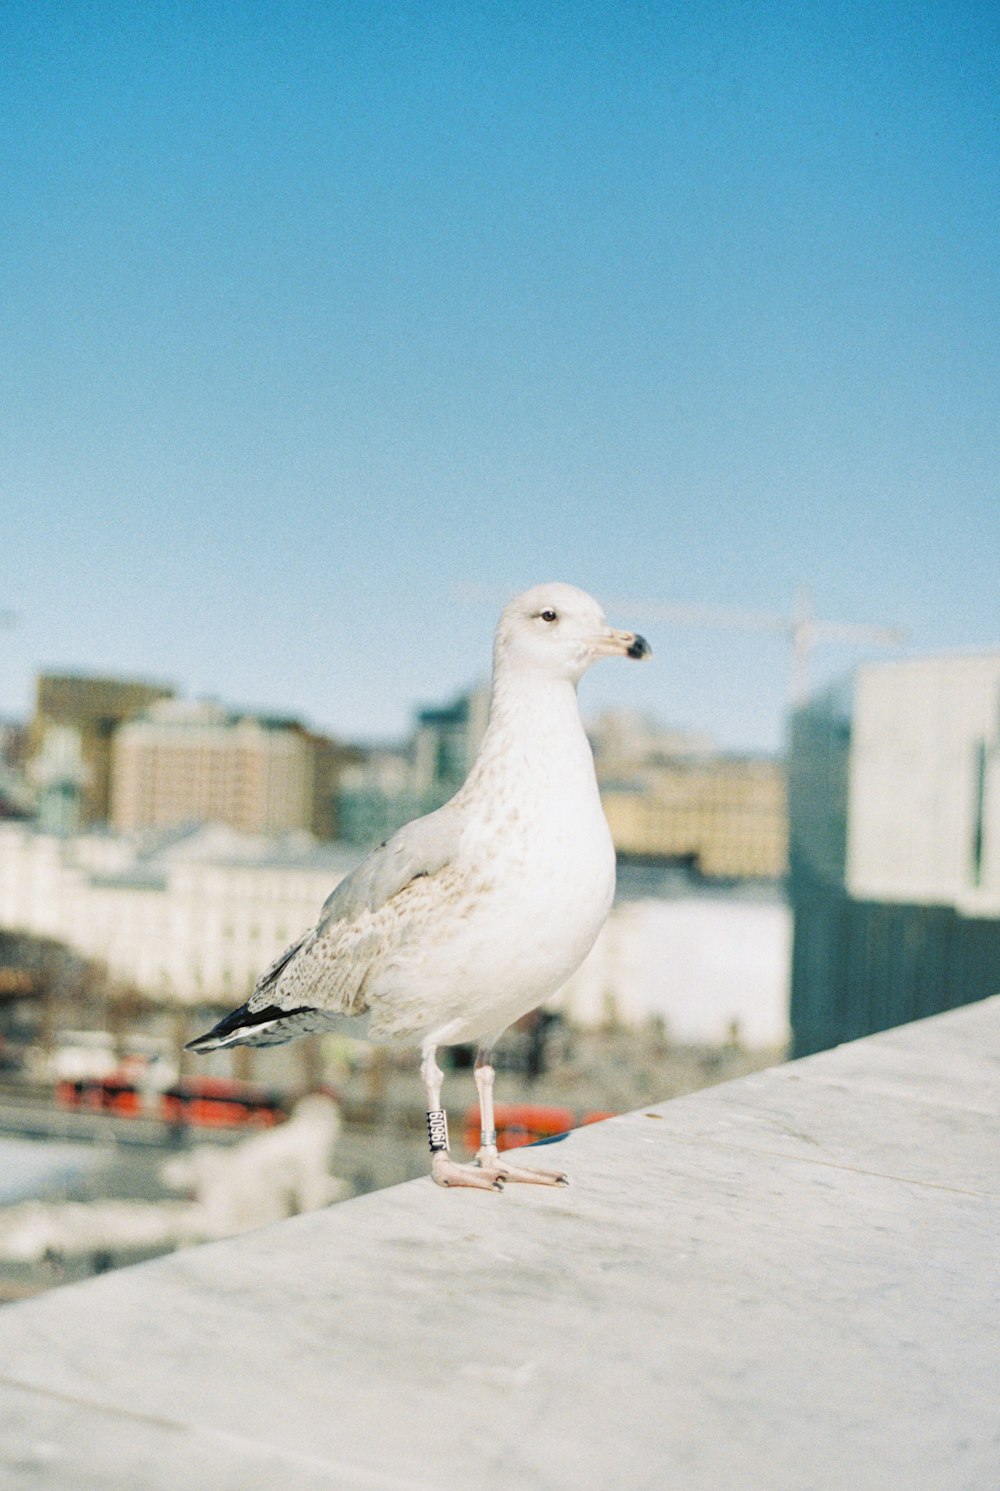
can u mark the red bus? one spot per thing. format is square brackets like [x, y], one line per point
[206, 1102]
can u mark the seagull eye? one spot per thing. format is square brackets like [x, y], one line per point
[548, 615]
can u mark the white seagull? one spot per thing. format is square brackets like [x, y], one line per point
[469, 917]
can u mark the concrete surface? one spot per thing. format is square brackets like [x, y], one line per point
[788, 1283]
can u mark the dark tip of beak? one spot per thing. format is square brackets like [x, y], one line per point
[640, 648]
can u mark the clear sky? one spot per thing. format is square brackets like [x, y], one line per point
[310, 312]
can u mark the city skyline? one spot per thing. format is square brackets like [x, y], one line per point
[622, 720]
[312, 317]
[776, 646]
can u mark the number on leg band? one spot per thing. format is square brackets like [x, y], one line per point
[437, 1130]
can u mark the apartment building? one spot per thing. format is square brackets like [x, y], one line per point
[726, 816]
[70, 742]
[186, 762]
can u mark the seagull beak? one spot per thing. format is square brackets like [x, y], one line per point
[622, 644]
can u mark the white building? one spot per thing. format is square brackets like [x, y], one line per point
[714, 968]
[924, 783]
[195, 916]
[195, 762]
[192, 916]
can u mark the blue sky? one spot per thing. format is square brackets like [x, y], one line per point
[310, 313]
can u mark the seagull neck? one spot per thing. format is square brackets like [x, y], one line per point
[530, 707]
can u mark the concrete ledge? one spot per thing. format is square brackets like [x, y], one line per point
[788, 1283]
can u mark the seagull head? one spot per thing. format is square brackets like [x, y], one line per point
[559, 630]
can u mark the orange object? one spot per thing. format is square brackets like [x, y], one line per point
[518, 1124]
[212, 1102]
[216, 1102]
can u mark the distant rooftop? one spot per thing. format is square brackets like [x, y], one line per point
[936, 655]
[786, 1282]
[218, 843]
[199, 713]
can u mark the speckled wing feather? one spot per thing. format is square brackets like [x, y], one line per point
[327, 967]
[422, 847]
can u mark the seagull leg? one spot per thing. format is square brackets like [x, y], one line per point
[488, 1156]
[444, 1169]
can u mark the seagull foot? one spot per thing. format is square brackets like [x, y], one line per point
[446, 1172]
[490, 1162]
[531, 1176]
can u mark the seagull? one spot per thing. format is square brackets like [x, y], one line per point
[469, 917]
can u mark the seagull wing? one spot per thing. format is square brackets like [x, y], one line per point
[424, 847]
[327, 967]
[323, 974]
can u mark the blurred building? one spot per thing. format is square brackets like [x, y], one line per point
[185, 762]
[70, 743]
[189, 916]
[924, 793]
[445, 743]
[623, 739]
[376, 795]
[670, 795]
[16, 798]
[894, 789]
[726, 817]
[713, 966]
[667, 793]
[13, 745]
[387, 786]
[819, 760]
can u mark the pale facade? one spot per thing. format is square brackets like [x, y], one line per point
[195, 763]
[728, 817]
[194, 920]
[713, 968]
[924, 815]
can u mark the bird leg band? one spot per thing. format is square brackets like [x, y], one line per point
[488, 1138]
[437, 1130]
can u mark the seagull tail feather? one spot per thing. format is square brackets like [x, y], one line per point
[247, 1027]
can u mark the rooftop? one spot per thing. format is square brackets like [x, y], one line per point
[787, 1283]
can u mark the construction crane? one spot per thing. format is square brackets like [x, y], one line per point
[802, 629]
